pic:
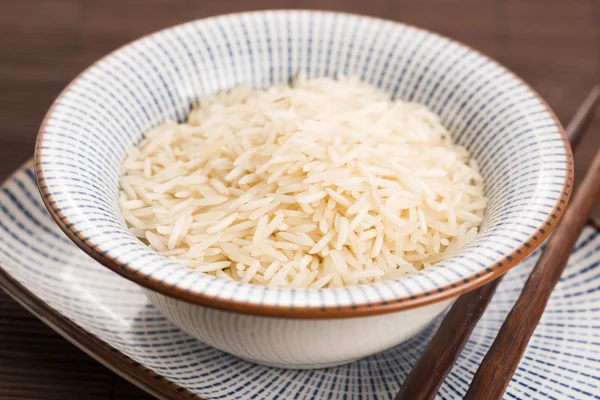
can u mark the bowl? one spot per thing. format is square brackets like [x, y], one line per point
[521, 148]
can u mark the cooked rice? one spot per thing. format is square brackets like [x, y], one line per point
[323, 184]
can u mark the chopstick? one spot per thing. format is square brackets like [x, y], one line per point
[438, 358]
[582, 117]
[502, 359]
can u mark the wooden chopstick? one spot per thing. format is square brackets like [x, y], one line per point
[583, 116]
[502, 359]
[439, 356]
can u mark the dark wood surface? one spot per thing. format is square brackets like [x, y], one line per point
[552, 44]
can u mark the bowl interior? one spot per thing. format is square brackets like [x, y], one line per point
[508, 129]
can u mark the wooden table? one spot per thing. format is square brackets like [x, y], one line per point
[552, 44]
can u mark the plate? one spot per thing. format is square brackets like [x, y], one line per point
[111, 319]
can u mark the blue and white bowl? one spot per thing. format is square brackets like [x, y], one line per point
[110, 318]
[519, 145]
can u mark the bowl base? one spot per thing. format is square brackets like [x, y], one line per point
[299, 366]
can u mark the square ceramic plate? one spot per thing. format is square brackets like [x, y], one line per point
[110, 318]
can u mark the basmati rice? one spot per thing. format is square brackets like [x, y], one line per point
[321, 184]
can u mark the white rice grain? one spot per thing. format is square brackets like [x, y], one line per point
[322, 184]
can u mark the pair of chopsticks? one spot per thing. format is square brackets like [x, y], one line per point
[503, 357]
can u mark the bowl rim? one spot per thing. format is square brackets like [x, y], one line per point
[445, 292]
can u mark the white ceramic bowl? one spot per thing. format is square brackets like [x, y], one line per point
[520, 147]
